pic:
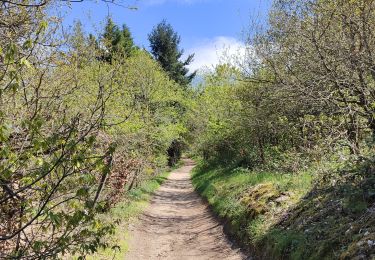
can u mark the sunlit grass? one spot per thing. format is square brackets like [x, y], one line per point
[232, 193]
[294, 216]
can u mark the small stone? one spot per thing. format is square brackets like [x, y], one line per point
[366, 233]
[370, 243]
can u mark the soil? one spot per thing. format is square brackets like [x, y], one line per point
[179, 225]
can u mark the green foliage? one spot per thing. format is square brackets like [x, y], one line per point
[214, 114]
[249, 200]
[117, 41]
[77, 132]
[164, 43]
[291, 216]
[85, 124]
[301, 101]
[277, 114]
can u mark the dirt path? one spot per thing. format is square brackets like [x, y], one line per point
[178, 225]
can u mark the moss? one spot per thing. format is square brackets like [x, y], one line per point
[257, 199]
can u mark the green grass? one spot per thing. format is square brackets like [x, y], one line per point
[294, 216]
[126, 212]
[251, 202]
[248, 199]
[222, 187]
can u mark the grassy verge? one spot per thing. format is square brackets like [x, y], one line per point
[250, 201]
[286, 216]
[125, 212]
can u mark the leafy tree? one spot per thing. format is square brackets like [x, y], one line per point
[308, 93]
[164, 43]
[76, 132]
[49, 188]
[214, 118]
[92, 41]
[333, 40]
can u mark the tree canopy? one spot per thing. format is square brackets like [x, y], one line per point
[164, 43]
[116, 40]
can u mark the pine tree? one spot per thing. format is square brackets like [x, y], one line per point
[164, 43]
[111, 35]
[126, 43]
[117, 41]
[92, 41]
[78, 37]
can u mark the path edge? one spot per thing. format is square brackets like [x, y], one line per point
[228, 230]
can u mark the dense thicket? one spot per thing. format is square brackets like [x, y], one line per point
[307, 87]
[76, 130]
[287, 136]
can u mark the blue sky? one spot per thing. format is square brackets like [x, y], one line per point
[206, 27]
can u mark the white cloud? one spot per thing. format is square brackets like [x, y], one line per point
[212, 52]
